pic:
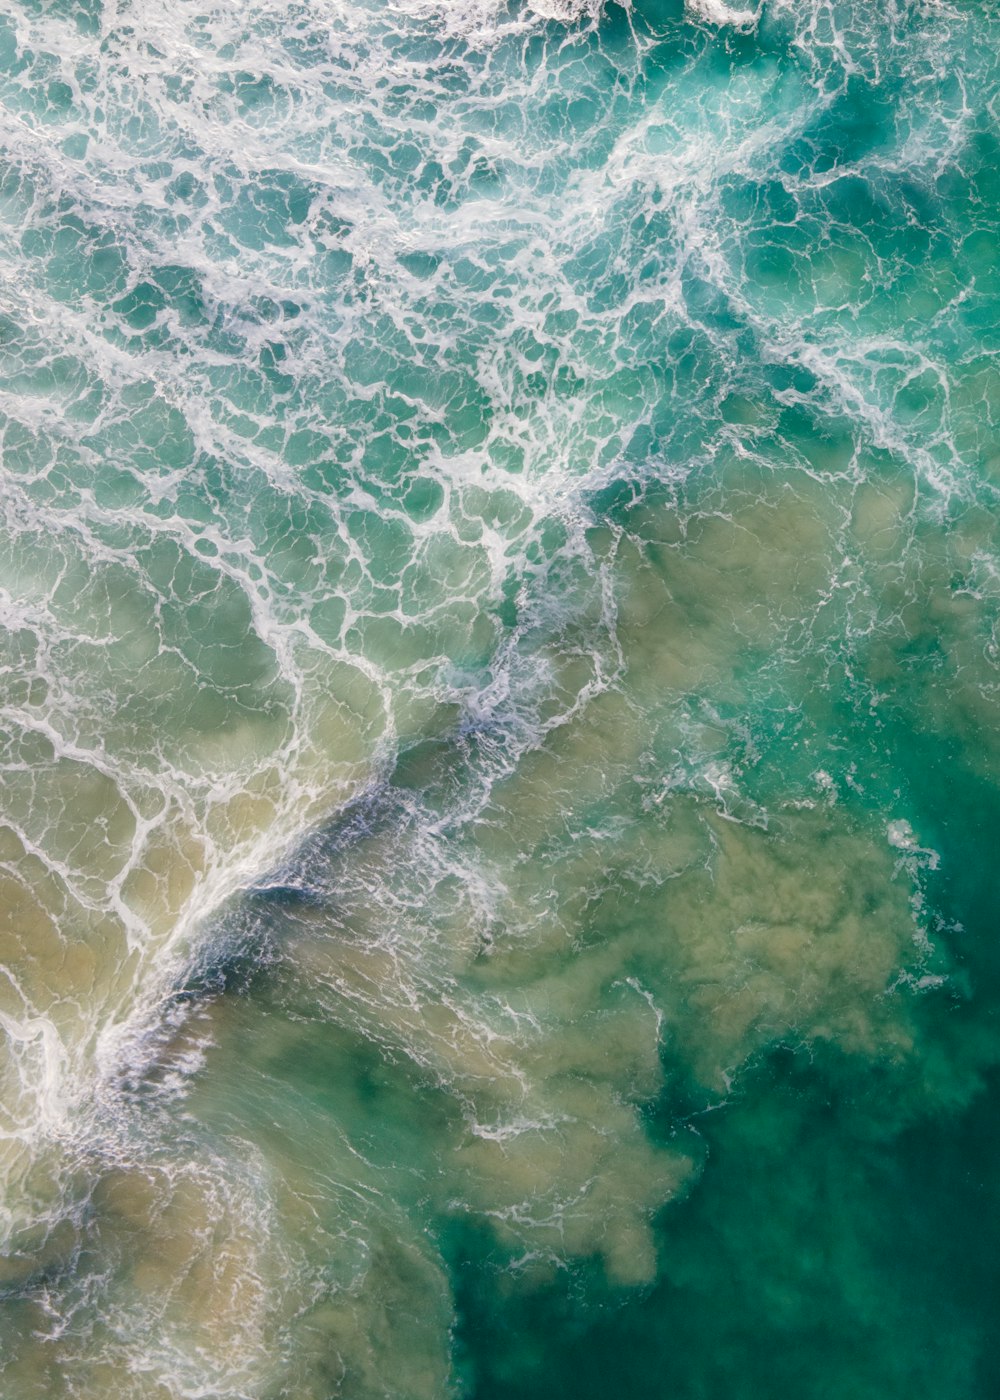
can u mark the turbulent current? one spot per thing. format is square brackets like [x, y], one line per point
[499, 699]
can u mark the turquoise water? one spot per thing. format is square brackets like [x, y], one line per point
[500, 684]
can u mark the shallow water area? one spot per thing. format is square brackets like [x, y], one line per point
[498, 699]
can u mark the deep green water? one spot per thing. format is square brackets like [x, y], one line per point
[500, 698]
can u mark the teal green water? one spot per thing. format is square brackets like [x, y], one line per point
[499, 700]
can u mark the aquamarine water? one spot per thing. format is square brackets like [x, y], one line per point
[500, 700]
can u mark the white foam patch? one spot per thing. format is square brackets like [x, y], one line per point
[717, 13]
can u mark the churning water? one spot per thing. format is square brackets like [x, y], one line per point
[500, 697]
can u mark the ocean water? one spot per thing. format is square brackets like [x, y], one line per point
[499, 700]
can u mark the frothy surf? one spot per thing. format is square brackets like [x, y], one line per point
[491, 493]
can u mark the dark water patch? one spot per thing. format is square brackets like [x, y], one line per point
[815, 1258]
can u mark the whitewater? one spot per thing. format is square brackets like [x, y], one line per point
[499, 696]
